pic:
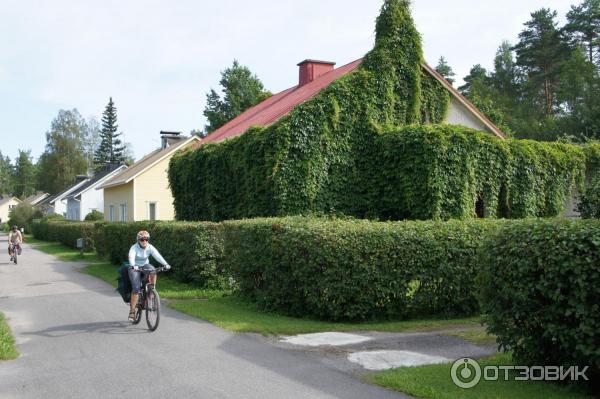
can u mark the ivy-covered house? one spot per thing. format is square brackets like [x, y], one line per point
[383, 137]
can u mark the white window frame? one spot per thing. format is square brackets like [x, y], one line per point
[155, 203]
[111, 213]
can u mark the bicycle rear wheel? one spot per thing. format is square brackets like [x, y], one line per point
[152, 309]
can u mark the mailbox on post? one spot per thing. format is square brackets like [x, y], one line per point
[80, 244]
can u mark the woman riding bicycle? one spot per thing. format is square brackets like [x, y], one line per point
[15, 238]
[138, 258]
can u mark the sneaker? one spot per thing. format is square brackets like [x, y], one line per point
[131, 316]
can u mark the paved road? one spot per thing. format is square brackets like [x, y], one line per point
[75, 342]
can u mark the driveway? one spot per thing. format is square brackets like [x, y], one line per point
[75, 342]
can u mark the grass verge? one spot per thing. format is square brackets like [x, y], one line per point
[238, 315]
[8, 350]
[434, 382]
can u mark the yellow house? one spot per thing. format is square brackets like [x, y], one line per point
[142, 191]
[6, 204]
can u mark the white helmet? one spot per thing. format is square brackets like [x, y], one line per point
[143, 234]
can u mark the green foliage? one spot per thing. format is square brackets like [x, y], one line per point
[241, 90]
[23, 215]
[64, 157]
[583, 27]
[193, 249]
[413, 172]
[445, 70]
[541, 291]
[541, 51]
[65, 232]
[6, 187]
[8, 347]
[94, 216]
[346, 270]
[320, 157]
[589, 202]
[23, 176]
[111, 148]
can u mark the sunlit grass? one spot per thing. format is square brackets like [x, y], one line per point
[8, 350]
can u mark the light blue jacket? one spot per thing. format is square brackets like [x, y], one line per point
[138, 256]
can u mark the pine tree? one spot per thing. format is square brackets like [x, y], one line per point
[583, 27]
[540, 52]
[445, 70]
[111, 147]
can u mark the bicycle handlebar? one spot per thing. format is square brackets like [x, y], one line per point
[156, 269]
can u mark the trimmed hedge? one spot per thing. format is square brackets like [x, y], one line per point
[66, 233]
[350, 270]
[193, 249]
[541, 291]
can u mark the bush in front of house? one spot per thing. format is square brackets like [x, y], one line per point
[94, 216]
[541, 291]
[356, 269]
[22, 216]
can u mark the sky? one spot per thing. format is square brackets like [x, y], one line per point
[157, 59]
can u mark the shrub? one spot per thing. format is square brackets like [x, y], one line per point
[65, 232]
[94, 216]
[335, 269]
[540, 286]
[53, 217]
[22, 216]
[589, 201]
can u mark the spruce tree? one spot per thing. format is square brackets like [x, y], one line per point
[445, 70]
[111, 148]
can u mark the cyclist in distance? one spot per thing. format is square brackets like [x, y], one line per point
[15, 238]
[138, 259]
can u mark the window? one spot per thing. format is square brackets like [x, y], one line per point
[152, 211]
[111, 213]
[123, 209]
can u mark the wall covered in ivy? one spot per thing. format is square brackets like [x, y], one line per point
[360, 148]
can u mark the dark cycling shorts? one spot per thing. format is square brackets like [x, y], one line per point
[136, 278]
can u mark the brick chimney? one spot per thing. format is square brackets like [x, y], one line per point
[312, 69]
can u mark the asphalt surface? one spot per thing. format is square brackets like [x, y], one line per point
[75, 342]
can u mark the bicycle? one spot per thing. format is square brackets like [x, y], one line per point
[148, 300]
[13, 249]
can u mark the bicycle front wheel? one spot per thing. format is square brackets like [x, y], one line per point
[152, 309]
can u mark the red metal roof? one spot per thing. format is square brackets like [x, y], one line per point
[278, 105]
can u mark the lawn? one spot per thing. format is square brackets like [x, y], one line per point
[434, 382]
[8, 349]
[238, 315]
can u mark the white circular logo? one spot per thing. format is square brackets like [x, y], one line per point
[465, 373]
